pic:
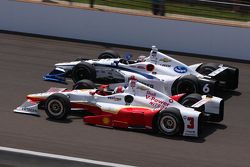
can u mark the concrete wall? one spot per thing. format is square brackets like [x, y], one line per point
[182, 36]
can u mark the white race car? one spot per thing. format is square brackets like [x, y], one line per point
[158, 71]
[137, 106]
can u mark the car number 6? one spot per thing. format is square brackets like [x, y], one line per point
[206, 89]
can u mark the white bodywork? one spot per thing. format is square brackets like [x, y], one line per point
[165, 72]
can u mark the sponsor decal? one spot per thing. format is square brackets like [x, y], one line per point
[165, 60]
[115, 98]
[165, 65]
[188, 132]
[132, 83]
[155, 102]
[29, 109]
[150, 67]
[149, 85]
[180, 69]
[142, 88]
[141, 67]
[153, 94]
[106, 120]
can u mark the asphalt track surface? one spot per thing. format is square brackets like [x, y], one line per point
[23, 62]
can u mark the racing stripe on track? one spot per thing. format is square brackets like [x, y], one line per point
[61, 157]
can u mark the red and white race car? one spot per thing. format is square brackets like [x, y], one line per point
[137, 106]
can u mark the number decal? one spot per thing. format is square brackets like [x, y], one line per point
[191, 123]
[206, 88]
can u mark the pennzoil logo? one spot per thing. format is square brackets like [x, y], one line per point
[165, 60]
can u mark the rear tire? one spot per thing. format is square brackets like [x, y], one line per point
[186, 84]
[57, 106]
[82, 71]
[207, 68]
[84, 84]
[108, 54]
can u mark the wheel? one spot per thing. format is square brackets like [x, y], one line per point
[186, 84]
[169, 122]
[84, 84]
[207, 68]
[191, 99]
[57, 106]
[80, 59]
[108, 54]
[83, 70]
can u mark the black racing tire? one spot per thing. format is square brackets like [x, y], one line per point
[82, 71]
[186, 84]
[108, 54]
[84, 84]
[57, 106]
[80, 59]
[191, 99]
[207, 68]
[169, 122]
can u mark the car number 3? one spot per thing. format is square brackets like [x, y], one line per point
[191, 123]
[206, 88]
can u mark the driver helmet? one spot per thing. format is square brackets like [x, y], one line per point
[119, 89]
[103, 87]
[141, 58]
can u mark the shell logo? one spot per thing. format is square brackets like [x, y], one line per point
[106, 120]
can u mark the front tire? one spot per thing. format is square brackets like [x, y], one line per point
[191, 99]
[57, 106]
[169, 122]
[83, 70]
[207, 68]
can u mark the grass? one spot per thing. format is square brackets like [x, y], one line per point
[177, 8]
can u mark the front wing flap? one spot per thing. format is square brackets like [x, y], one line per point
[28, 107]
[57, 75]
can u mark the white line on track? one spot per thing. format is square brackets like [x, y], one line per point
[62, 157]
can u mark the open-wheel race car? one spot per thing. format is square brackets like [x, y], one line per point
[158, 70]
[136, 106]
